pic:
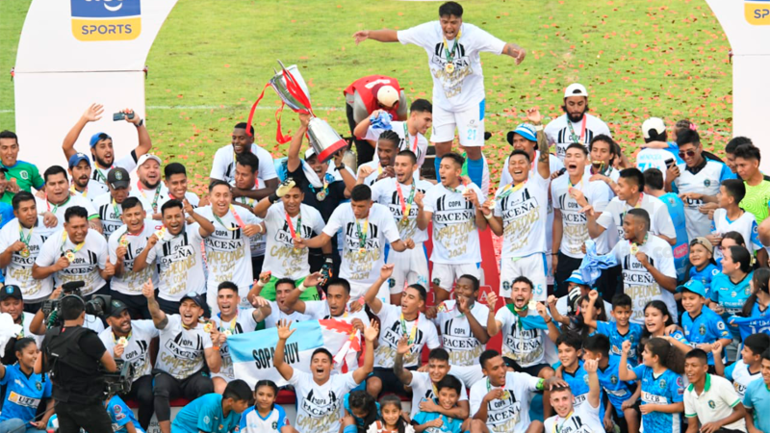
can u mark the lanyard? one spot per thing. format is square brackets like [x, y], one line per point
[230, 329]
[572, 185]
[511, 188]
[505, 395]
[406, 139]
[326, 183]
[413, 332]
[70, 254]
[115, 208]
[293, 232]
[450, 55]
[101, 177]
[406, 205]
[636, 206]
[237, 217]
[74, 191]
[124, 238]
[572, 135]
[26, 240]
[154, 199]
[362, 233]
[56, 206]
[556, 428]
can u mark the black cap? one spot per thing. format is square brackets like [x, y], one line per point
[118, 178]
[117, 307]
[10, 291]
[198, 299]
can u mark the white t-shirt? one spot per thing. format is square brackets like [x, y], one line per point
[660, 220]
[228, 250]
[510, 414]
[377, 170]
[282, 259]
[131, 282]
[715, 403]
[463, 88]
[93, 189]
[524, 210]
[613, 174]
[746, 225]
[137, 351]
[150, 199]
[89, 259]
[362, 267]
[241, 324]
[706, 181]
[100, 175]
[456, 335]
[165, 196]
[223, 167]
[320, 407]
[19, 270]
[319, 310]
[558, 132]
[554, 164]
[525, 346]
[417, 144]
[109, 213]
[742, 377]
[585, 419]
[648, 158]
[574, 222]
[180, 264]
[455, 234]
[391, 330]
[385, 193]
[181, 353]
[74, 200]
[277, 315]
[423, 390]
[638, 281]
[258, 241]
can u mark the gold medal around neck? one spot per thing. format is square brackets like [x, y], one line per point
[634, 249]
[321, 195]
[124, 241]
[208, 327]
[123, 341]
[70, 255]
[160, 233]
[228, 332]
[449, 68]
[24, 252]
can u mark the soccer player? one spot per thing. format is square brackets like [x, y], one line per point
[101, 145]
[175, 179]
[149, 187]
[573, 418]
[108, 205]
[710, 402]
[453, 49]
[747, 158]
[731, 217]
[454, 208]
[57, 200]
[337, 305]
[82, 184]
[215, 412]
[576, 125]
[757, 399]
[223, 167]
[246, 179]
[653, 186]
[21, 175]
[382, 166]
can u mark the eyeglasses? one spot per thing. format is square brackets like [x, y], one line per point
[689, 153]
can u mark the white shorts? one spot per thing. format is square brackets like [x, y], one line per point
[358, 290]
[444, 275]
[411, 267]
[532, 267]
[469, 124]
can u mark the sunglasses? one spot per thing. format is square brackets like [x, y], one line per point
[689, 153]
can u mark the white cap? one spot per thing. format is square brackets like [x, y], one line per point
[387, 96]
[576, 89]
[653, 123]
[309, 153]
[146, 157]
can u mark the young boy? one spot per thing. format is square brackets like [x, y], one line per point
[757, 399]
[730, 217]
[748, 369]
[214, 412]
[710, 402]
[597, 347]
[123, 420]
[434, 422]
[571, 418]
[571, 370]
[619, 330]
[702, 326]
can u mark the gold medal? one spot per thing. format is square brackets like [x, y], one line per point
[160, 233]
[228, 333]
[506, 395]
[532, 306]
[24, 252]
[123, 341]
[634, 249]
[321, 195]
[124, 241]
[362, 251]
[403, 222]
[449, 68]
[70, 256]
[208, 327]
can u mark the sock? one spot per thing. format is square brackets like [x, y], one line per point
[476, 170]
[437, 163]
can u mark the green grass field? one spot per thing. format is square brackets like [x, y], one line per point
[638, 58]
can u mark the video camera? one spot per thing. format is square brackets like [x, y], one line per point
[120, 381]
[96, 306]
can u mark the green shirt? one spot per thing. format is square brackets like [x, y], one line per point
[26, 175]
[7, 198]
[757, 199]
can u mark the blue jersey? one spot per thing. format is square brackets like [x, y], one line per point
[633, 334]
[253, 422]
[681, 249]
[205, 414]
[706, 327]
[731, 296]
[617, 390]
[449, 425]
[359, 421]
[121, 415]
[668, 388]
[22, 393]
[578, 384]
[705, 276]
[757, 398]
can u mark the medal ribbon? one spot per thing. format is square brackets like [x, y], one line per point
[101, 175]
[511, 188]
[231, 326]
[450, 55]
[237, 217]
[406, 138]
[29, 235]
[636, 206]
[406, 205]
[78, 247]
[294, 90]
[362, 234]
[556, 428]
[582, 131]
[291, 226]
[154, 200]
[115, 208]
[56, 206]
[413, 332]
[74, 191]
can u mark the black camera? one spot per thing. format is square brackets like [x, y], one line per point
[120, 381]
[96, 306]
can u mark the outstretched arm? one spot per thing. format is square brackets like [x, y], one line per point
[384, 35]
[92, 114]
[159, 318]
[515, 51]
[370, 335]
[293, 162]
[284, 332]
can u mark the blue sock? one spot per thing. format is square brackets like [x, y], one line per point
[437, 163]
[350, 429]
[476, 170]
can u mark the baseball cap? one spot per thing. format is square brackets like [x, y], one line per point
[76, 158]
[198, 299]
[118, 178]
[703, 241]
[309, 153]
[525, 130]
[116, 307]
[146, 157]
[655, 123]
[387, 96]
[694, 286]
[99, 136]
[576, 89]
[10, 291]
[576, 277]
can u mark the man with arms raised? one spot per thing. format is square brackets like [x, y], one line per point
[21, 243]
[454, 207]
[575, 125]
[453, 49]
[57, 200]
[382, 166]
[177, 248]
[320, 394]
[223, 167]
[334, 307]
[102, 151]
[185, 352]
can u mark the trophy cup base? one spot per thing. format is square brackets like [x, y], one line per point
[329, 151]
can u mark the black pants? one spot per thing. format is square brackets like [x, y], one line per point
[610, 282]
[166, 388]
[564, 269]
[168, 307]
[33, 307]
[364, 150]
[137, 305]
[141, 392]
[92, 418]
[256, 265]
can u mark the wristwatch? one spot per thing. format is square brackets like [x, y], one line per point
[141, 122]
[340, 167]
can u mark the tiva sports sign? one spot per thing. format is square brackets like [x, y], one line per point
[757, 12]
[106, 20]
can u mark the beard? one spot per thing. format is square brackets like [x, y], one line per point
[574, 118]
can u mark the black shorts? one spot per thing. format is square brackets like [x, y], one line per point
[390, 382]
[532, 370]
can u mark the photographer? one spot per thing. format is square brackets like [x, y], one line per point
[72, 354]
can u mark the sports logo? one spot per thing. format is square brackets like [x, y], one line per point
[712, 404]
[702, 329]
[757, 12]
[106, 20]
[707, 182]
[614, 379]
[662, 384]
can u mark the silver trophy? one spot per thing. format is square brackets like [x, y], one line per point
[324, 139]
[296, 82]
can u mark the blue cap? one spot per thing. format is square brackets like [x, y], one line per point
[525, 130]
[694, 286]
[576, 277]
[76, 158]
[99, 136]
